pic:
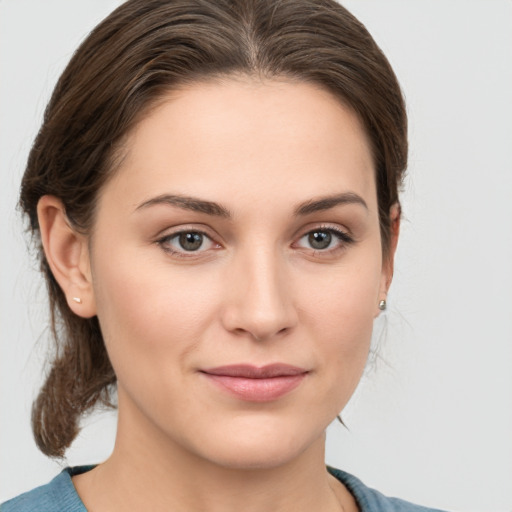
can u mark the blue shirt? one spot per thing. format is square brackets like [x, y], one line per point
[60, 496]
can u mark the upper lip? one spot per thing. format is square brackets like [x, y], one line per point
[249, 371]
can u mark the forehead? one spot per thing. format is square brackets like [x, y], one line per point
[246, 140]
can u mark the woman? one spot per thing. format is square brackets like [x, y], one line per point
[215, 189]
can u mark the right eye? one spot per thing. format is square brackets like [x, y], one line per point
[189, 241]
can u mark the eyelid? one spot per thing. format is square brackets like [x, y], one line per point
[326, 226]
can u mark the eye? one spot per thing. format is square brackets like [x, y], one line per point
[184, 242]
[324, 239]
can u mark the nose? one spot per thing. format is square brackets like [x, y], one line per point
[260, 302]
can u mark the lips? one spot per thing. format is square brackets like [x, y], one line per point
[256, 384]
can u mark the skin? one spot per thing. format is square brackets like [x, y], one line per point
[255, 292]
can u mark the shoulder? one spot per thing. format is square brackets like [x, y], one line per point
[59, 495]
[370, 500]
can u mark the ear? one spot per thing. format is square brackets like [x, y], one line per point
[389, 259]
[67, 253]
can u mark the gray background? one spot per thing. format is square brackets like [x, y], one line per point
[432, 419]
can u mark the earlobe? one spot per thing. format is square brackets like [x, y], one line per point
[67, 253]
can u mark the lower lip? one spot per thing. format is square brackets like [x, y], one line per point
[257, 390]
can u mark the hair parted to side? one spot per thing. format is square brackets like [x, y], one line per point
[142, 50]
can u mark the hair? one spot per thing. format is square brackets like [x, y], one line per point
[130, 61]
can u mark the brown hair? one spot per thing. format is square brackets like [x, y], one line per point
[128, 62]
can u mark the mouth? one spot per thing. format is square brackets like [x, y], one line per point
[256, 384]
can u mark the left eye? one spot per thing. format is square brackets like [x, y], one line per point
[187, 241]
[323, 239]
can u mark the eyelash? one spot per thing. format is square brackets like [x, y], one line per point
[343, 238]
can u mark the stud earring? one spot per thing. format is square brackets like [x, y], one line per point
[382, 305]
[78, 300]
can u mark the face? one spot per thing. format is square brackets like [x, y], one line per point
[237, 268]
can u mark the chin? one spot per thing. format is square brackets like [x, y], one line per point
[266, 447]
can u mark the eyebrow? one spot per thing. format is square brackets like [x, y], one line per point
[215, 209]
[328, 202]
[188, 203]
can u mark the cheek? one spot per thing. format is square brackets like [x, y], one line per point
[145, 310]
[338, 311]
[344, 297]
